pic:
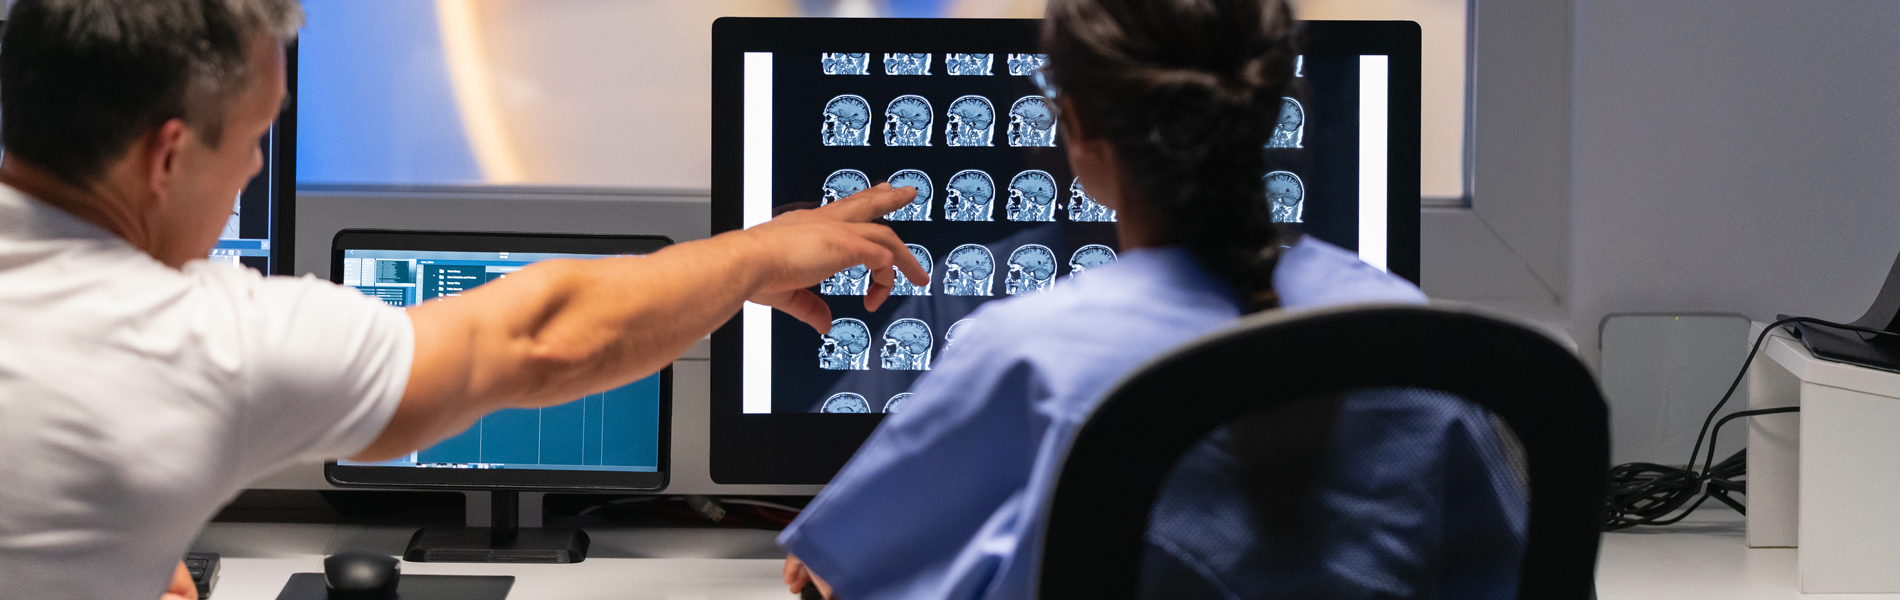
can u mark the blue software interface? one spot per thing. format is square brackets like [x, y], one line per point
[614, 431]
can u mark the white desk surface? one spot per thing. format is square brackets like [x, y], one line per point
[1705, 556]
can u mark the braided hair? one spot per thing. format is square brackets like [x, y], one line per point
[1186, 92]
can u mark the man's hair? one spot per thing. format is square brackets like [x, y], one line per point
[81, 80]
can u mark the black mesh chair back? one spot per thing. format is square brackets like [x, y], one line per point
[1538, 393]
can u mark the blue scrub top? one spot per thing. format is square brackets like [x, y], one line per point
[943, 500]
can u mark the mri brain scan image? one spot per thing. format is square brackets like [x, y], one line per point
[846, 347]
[842, 183]
[1022, 65]
[968, 64]
[847, 121]
[855, 281]
[846, 402]
[968, 196]
[846, 63]
[970, 122]
[967, 271]
[956, 329]
[903, 286]
[907, 122]
[1090, 257]
[1032, 123]
[919, 207]
[1084, 209]
[1286, 196]
[1032, 197]
[907, 345]
[1032, 268]
[906, 64]
[896, 403]
[1290, 131]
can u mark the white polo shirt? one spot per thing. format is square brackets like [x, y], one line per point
[137, 399]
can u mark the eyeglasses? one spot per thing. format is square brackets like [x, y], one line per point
[1041, 80]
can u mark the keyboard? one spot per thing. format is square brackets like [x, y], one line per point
[203, 567]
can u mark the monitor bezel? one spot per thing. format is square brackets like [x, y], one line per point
[283, 226]
[804, 449]
[342, 475]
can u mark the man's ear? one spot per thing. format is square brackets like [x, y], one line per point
[161, 148]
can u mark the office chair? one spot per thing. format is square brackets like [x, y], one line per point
[1120, 459]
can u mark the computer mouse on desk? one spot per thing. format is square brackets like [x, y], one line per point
[361, 576]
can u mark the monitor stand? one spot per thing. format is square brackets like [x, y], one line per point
[1852, 347]
[503, 541]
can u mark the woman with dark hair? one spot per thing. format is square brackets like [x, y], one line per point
[1165, 106]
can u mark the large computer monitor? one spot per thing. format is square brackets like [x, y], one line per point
[259, 234]
[617, 440]
[808, 110]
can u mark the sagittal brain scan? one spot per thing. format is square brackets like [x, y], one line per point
[846, 347]
[956, 329]
[846, 63]
[968, 64]
[907, 345]
[1090, 257]
[1290, 131]
[842, 183]
[907, 122]
[846, 402]
[1032, 197]
[919, 207]
[1022, 65]
[970, 122]
[855, 281]
[906, 64]
[967, 271]
[896, 403]
[1032, 268]
[1286, 196]
[903, 286]
[847, 121]
[1031, 122]
[968, 196]
[1084, 209]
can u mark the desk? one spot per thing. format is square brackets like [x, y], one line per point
[1702, 557]
[1825, 481]
[672, 564]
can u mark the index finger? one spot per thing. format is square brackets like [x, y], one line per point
[874, 202]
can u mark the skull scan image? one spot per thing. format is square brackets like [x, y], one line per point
[1021, 65]
[845, 347]
[846, 63]
[903, 286]
[1032, 267]
[967, 271]
[855, 281]
[896, 403]
[906, 64]
[968, 64]
[1084, 209]
[1286, 196]
[907, 122]
[1032, 123]
[842, 183]
[956, 329]
[971, 122]
[907, 345]
[847, 121]
[846, 402]
[919, 207]
[1032, 197]
[1090, 257]
[967, 197]
[1290, 131]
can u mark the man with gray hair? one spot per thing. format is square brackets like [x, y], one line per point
[141, 386]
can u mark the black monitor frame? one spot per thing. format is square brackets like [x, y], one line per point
[283, 226]
[505, 479]
[807, 449]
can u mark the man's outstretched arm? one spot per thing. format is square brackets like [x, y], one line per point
[559, 330]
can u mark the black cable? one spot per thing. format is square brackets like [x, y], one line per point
[1648, 493]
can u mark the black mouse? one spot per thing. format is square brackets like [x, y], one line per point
[361, 576]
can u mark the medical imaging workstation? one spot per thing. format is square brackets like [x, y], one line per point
[824, 108]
